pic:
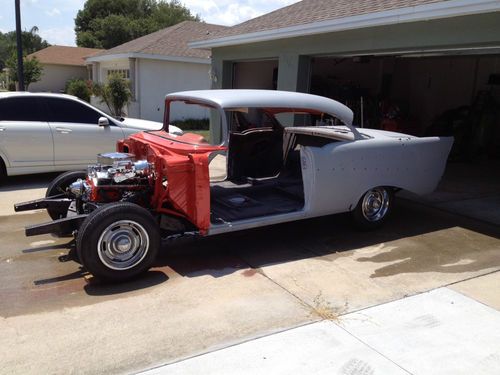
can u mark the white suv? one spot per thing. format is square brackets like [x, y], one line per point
[42, 132]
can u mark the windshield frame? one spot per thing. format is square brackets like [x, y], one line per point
[202, 103]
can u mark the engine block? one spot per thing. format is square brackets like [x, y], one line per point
[116, 177]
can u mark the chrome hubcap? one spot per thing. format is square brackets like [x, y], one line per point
[375, 204]
[123, 245]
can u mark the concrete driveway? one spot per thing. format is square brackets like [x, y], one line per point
[225, 290]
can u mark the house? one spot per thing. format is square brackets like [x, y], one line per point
[61, 63]
[157, 64]
[399, 65]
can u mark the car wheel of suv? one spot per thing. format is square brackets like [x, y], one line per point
[118, 241]
[373, 208]
[58, 186]
[3, 172]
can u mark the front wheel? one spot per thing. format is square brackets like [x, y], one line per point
[58, 187]
[118, 241]
[373, 208]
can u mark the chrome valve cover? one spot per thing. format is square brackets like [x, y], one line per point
[117, 168]
[115, 158]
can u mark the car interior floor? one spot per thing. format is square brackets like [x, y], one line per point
[256, 197]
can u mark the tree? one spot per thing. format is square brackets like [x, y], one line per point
[108, 23]
[32, 69]
[31, 41]
[110, 31]
[115, 93]
[5, 50]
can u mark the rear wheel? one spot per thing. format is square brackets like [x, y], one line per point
[373, 208]
[118, 241]
[58, 186]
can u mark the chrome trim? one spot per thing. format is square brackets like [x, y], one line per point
[123, 245]
[375, 204]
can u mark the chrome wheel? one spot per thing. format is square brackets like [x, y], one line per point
[375, 204]
[123, 245]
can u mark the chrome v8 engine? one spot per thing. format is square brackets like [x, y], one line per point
[117, 168]
[116, 176]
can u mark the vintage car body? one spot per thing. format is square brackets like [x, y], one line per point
[275, 171]
[384, 159]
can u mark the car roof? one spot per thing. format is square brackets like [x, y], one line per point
[10, 94]
[235, 98]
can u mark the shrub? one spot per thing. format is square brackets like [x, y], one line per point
[115, 93]
[78, 88]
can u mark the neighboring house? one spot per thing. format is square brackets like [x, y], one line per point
[61, 63]
[422, 56]
[157, 64]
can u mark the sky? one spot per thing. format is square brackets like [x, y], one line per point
[55, 18]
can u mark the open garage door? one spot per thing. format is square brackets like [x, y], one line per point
[442, 94]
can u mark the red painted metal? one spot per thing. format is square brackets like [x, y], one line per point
[181, 181]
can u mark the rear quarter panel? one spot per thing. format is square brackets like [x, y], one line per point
[338, 174]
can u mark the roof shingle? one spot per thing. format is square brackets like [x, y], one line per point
[172, 41]
[64, 55]
[311, 11]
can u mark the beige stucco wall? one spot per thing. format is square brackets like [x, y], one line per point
[158, 78]
[54, 77]
[152, 79]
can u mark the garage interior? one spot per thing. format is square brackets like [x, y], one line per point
[420, 95]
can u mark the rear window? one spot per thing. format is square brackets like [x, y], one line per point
[241, 119]
[306, 119]
[64, 110]
[21, 109]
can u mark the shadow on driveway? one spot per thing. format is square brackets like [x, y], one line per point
[424, 239]
[149, 279]
[34, 181]
[416, 239]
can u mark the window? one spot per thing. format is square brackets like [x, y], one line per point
[250, 118]
[64, 110]
[124, 73]
[21, 109]
[188, 115]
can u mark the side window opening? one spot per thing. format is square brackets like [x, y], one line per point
[260, 179]
[255, 144]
